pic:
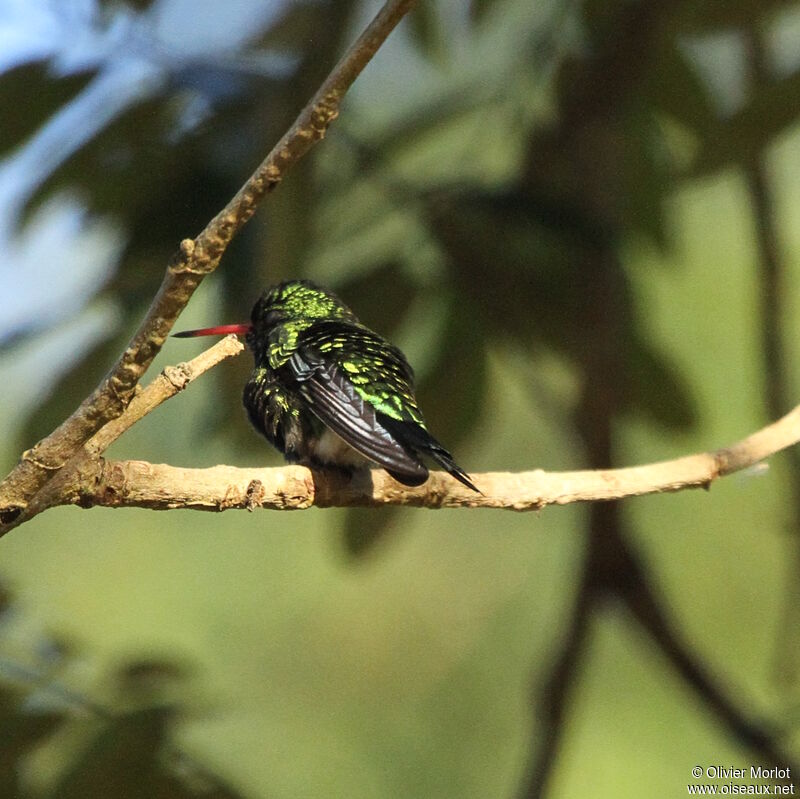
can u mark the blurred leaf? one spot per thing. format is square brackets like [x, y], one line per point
[698, 18]
[453, 390]
[524, 282]
[23, 727]
[428, 34]
[139, 5]
[5, 597]
[380, 297]
[676, 89]
[770, 112]
[131, 165]
[130, 754]
[657, 390]
[123, 760]
[602, 19]
[607, 179]
[479, 8]
[33, 92]
[21, 731]
[647, 181]
[363, 529]
[131, 757]
[148, 677]
[512, 270]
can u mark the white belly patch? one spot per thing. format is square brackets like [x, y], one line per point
[335, 450]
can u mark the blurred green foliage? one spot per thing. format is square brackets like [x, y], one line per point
[122, 750]
[546, 206]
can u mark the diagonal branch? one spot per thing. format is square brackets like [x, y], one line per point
[196, 258]
[551, 702]
[171, 381]
[763, 738]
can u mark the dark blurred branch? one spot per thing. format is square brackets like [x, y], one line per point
[603, 385]
[772, 273]
[196, 258]
[594, 98]
[551, 703]
[762, 738]
[769, 259]
[613, 571]
[612, 568]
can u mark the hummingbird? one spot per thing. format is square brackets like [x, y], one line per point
[326, 390]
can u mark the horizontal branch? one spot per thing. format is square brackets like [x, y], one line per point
[161, 487]
[195, 259]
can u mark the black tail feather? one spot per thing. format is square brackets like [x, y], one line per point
[445, 460]
[419, 441]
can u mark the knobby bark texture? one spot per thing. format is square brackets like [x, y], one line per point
[195, 259]
[88, 480]
[92, 481]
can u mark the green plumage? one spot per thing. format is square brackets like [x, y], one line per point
[326, 390]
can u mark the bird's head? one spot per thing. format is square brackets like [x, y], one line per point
[298, 302]
[293, 303]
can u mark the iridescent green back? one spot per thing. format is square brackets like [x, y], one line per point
[378, 371]
[299, 314]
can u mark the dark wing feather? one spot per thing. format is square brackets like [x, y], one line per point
[373, 408]
[332, 398]
[418, 439]
[378, 371]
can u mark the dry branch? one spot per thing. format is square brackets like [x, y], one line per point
[161, 487]
[195, 259]
[171, 381]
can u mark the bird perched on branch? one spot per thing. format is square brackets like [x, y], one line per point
[328, 391]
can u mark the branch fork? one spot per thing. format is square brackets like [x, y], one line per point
[195, 259]
[67, 467]
[89, 480]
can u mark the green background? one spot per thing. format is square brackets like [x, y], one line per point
[413, 664]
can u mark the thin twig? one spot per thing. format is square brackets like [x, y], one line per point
[171, 381]
[195, 259]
